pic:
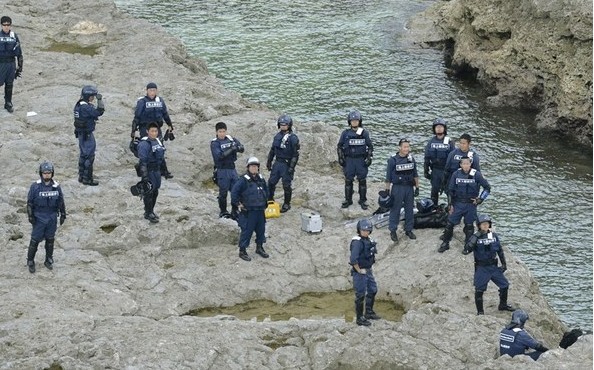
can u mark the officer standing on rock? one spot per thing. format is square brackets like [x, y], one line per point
[85, 120]
[285, 147]
[355, 154]
[402, 182]
[453, 161]
[363, 251]
[463, 198]
[10, 48]
[152, 108]
[224, 149]
[151, 154]
[487, 247]
[250, 195]
[437, 151]
[45, 203]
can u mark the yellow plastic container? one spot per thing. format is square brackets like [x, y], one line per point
[273, 210]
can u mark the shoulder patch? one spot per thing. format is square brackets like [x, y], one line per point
[472, 172]
[247, 177]
[56, 184]
[229, 137]
[356, 238]
[470, 154]
[38, 181]
[360, 131]
[157, 99]
[446, 140]
[144, 138]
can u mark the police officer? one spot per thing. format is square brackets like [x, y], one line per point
[85, 120]
[355, 153]
[285, 147]
[402, 177]
[463, 197]
[250, 194]
[224, 149]
[10, 48]
[486, 246]
[514, 340]
[436, 154]
[151, 153]
[363, 251]
[152, 108]
[45, 203]
[453, 161]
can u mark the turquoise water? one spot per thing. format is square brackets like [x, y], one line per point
[316, 60]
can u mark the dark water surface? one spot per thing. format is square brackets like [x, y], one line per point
[316, 60]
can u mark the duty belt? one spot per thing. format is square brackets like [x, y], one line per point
[284, 160]
[467, 200]
[486, 263]
[357, 155]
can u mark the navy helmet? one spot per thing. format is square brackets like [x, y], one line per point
[484, 218]
[442, 122]
[46, 166]
[355, 115]
[384, 199]
[425, 205]
[364, 225]
[88, 91]
[285, 119]
[519, 318]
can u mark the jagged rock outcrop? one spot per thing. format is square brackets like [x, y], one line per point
[530, 54]
[120, 291]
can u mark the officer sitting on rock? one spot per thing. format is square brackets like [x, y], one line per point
[151, 154]
[514, 340]
[250, 195]
[224, 149]
[285, 147]
[487, 247]
[45, 203]
[363, 251]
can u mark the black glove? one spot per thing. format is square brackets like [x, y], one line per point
[467, 250]
[62, 219]
[478, 201]
[99, 96]
[18, 73]
[32, 219]
[269, 165]
[30, 214]
[503, 268]
[426, 171]
[144, 172]
[368, 161]
[416, 192]
[427, 175]
[291, 171]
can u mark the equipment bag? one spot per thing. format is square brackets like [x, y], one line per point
[436, 218]
[273, 210]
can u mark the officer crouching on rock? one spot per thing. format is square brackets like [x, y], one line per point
[487, 247]
[363, 251]
[151, 154]
[45, 203]
[514, 340]
[250, 195]
[85, 120]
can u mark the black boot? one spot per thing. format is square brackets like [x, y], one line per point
[363, 194]
[503, 306]
[164, 171]
[31, 255]
[271, 190]
[348, 193]
[148, 209]
[468, 231]
[287, 203]
[448, 233]
[155, 194]
[49, 253]
[435, 196]
[234, 213]
[223, 208]
[394, 236]
[260, 250]
[478, 301]
[81, 170]
[359, 306]
[88, 180]
[369, 313]
[8, 98]
[243, 255]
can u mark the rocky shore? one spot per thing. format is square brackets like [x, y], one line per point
[121, 289]
[534, 55]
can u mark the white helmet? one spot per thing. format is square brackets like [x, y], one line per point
[253, 160]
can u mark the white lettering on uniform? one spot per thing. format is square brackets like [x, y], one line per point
[356, 141]
[226, 145]
[7, 39]
[405, 167]
[464, 181]
[506, 338]
[439, 146]
[154, 104]
[53, 193]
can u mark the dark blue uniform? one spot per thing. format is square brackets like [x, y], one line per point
[401, 173]
[436, 155]
[363, 251]
[10, 48]
[45, 202]
[285, 148]
[151, 154]
[486, 248]
[355, 151]
[85, 119]
[463, 188]
[150, 110]
[516, 341]
[252, 193]
[224, 154]
[453, 163]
